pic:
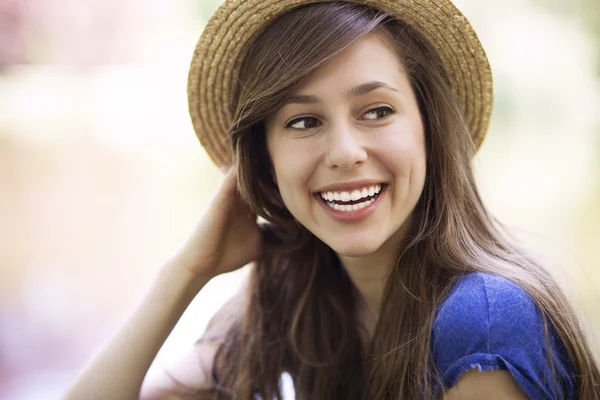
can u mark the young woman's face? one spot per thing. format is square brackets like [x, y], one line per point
[348, 150]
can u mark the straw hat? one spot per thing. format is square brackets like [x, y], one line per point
[231, 29]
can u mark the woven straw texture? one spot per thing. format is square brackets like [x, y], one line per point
[233, 27]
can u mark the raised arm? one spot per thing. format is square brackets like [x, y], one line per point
[227, 238]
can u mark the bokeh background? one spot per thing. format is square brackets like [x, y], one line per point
[102, 178]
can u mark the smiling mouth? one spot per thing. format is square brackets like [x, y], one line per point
[354, 200]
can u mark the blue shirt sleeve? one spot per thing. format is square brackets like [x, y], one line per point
[488, 322]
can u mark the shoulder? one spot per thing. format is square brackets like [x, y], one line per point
[490, 323]
[479, 300]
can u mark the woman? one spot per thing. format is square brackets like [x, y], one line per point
[378, 274]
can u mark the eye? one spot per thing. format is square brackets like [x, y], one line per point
[311, 122]
[302, 123]
[379, 113]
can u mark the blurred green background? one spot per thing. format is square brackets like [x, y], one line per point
[102, 178]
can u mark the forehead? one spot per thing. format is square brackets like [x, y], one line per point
[372, 58]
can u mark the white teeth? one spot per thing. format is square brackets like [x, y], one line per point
[351, 196]
[350, 207]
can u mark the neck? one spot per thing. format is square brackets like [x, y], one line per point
[369, 274]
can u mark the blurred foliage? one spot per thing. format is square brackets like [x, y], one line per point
[585, 11]
[591, 16]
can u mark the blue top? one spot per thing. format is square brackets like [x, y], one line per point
[488, 322]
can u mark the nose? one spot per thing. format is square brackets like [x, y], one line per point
[345, 150]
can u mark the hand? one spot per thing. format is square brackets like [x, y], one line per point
[227, 237]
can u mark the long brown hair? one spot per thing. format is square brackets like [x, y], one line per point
[301, 313]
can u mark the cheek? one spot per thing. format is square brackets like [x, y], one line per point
[403, 150]
[292, 170]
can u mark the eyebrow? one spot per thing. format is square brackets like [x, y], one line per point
[355, 91]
